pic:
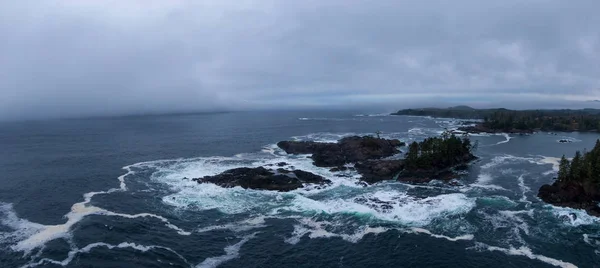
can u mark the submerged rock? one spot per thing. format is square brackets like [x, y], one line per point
[261, 178]
[347, 150]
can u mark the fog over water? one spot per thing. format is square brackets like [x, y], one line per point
[87, 58]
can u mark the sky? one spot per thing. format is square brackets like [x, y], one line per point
[75, 58]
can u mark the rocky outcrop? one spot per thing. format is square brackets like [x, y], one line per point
[264, 179]
[347, 150]
[373, 171]
[572, 194]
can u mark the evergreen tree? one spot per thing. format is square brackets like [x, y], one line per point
[563, 169]
[576, 166]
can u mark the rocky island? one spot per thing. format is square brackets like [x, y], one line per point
[264, 179]
[433, 158]
[578, 183]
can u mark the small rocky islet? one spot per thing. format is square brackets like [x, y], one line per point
[369, 156]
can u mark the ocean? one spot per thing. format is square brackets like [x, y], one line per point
[116, 192]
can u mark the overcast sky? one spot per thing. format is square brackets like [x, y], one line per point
[80, 58]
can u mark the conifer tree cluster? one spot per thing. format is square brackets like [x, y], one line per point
[583, 168]
[439, 152]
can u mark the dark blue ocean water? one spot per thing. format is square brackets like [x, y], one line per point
[109, 192]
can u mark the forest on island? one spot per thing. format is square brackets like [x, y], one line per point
[582, 168]
[584, 120]
[439, 152]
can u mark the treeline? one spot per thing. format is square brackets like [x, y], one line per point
[583, 168]
[506, 120]
[568, 120]
[439, 152]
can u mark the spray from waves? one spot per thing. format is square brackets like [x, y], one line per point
[231, 252]
[525, 251]
[90, 247]
[32, 235]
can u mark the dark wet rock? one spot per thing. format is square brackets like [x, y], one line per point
[342, 168]
[425, 176]
[572, 194]
[282, 164]
[373, 171]
[564, 141]
[264, 179]
[347, 150]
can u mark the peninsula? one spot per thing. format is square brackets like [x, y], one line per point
[516, 121]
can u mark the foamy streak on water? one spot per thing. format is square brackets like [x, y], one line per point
[240, 226]
[89, 247]
[483, 181]
[454, 239]
[316, 229]
[524, 188]
[46, 233]
[508, 218]
[525, 251]
[231, 252]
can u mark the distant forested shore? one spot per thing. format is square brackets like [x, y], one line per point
[516, 121]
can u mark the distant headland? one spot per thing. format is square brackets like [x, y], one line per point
[516, 121]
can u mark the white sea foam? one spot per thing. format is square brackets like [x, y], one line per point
[32, 235]
[457, 238]
[525, 251]
[573, 217]
[21, 228]
[507, 139]
[74, 252]
[240, 226]
[389, 206]
[524, 188]
[318, 229]
[231, 252]
[484, 178]
[547, 160]
[594, 240]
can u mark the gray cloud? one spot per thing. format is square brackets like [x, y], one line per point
[73, 58]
